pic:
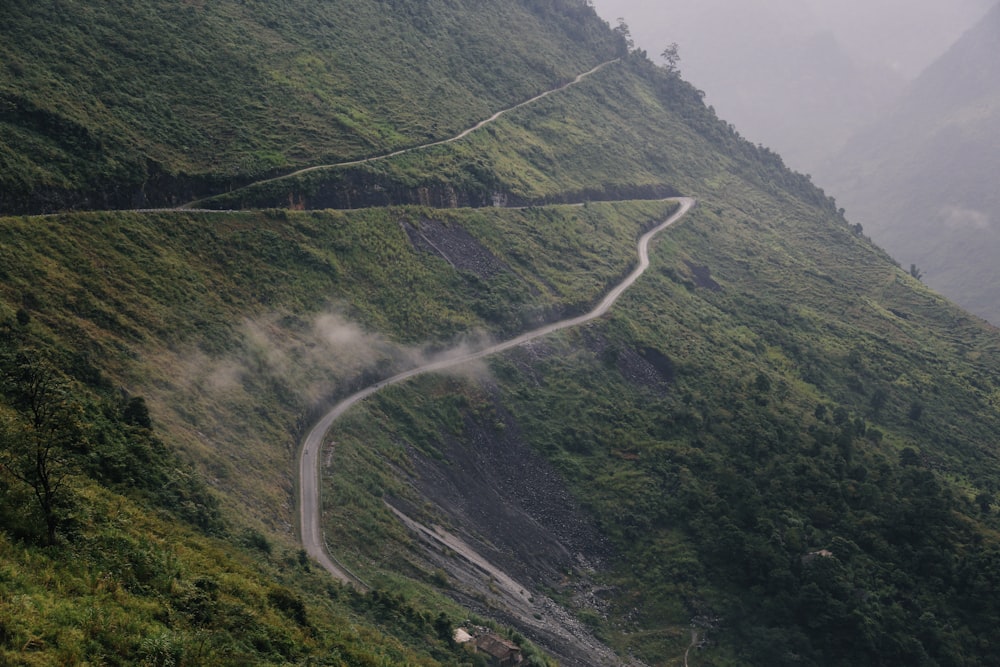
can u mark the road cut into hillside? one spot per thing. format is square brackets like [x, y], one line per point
[310, 504]
[441, 142]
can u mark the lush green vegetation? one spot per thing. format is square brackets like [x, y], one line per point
[114, 550]
[778, 432]
[617, 135]
[128, 587]
[206, 317]
[163, 101]
[817, 401]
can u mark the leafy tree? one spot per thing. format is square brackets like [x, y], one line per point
[984, 500]
[878, 400]
[840, 415]
[762, 383]
[624, 36]
[37, 439]
[672, 55]
[909, 457]
[443, 627]
[136, 413]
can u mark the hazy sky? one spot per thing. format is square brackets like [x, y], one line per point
[902, 34]
[800, 76]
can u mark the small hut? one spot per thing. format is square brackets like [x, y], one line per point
[504, 653]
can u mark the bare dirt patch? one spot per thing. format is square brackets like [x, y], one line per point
[500, 521]
[510, 502]
[703, 277]
[456, 246]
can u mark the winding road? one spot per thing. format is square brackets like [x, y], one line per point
[313, 540]
[442, 142]
[309, 478]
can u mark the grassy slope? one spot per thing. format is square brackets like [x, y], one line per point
[606, 138]
[822, 398]
[132, 588]
[212, 316]
[714, 493]
[225, 91]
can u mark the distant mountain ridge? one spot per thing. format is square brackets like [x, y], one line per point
[922, 180]
[772, 68]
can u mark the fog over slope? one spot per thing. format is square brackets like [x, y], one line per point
[798, 76]
[922, 180]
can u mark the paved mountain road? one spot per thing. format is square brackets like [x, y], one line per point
[310, 508]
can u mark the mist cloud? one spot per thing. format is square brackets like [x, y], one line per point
[959, 218]
[319, 357]
[904, 34]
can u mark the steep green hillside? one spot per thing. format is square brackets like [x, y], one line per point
[122, 104]
[230, 328]
[629, 130]
[777, 435]
[127, 587]
[923, 178]
[114, 550]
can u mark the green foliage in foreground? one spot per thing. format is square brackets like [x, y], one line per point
[131, 588]
[812, 471]
[795, 421]
[105, 554]
[56, 424]
[129, 542]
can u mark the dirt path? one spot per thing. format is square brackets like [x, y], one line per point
[442, 142]
[694, 641]
[310, 509]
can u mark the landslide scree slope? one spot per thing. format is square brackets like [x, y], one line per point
[776, 432]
